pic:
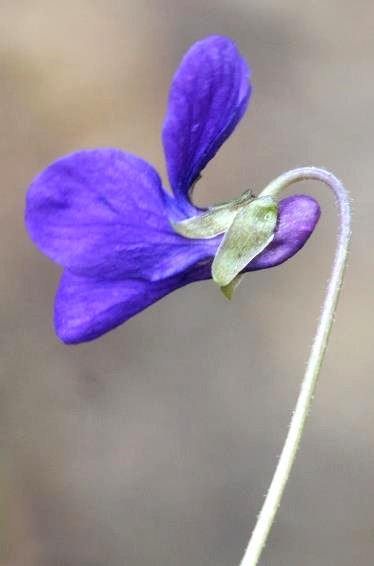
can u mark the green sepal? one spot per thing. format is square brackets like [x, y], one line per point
[246, 197]
[250, 233]
[214, 221]
[228, 290]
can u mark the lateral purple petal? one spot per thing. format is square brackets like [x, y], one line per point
[208, 96]
[104, 213]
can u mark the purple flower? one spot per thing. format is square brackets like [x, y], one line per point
[104, 216]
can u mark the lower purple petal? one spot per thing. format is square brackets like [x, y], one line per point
[87, 307]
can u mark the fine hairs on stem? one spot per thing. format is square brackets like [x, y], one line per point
[310, 380]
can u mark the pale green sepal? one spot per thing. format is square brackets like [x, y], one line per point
[250, 233]
[213, 222]
[229, 289]
[207, 225]
[244, 198]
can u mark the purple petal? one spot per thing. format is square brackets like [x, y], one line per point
[87, 307]
[104, 213]
[208, 96]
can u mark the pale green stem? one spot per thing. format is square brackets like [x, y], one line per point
[308, 386]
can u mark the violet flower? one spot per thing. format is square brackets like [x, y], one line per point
[104, 215]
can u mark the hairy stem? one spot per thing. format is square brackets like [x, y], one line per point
[309, 383]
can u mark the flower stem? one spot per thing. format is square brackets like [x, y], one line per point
[308, 386]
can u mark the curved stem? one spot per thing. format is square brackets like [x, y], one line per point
[308, 386]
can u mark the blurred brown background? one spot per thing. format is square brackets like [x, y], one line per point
[155, 444]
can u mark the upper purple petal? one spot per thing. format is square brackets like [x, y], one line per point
[87, 307]
[104, 213]
[208, 96]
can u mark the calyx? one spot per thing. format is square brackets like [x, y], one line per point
[248, 224]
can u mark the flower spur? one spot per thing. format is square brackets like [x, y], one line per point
[104, 215]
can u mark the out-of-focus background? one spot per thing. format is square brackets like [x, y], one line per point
[155, 444]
